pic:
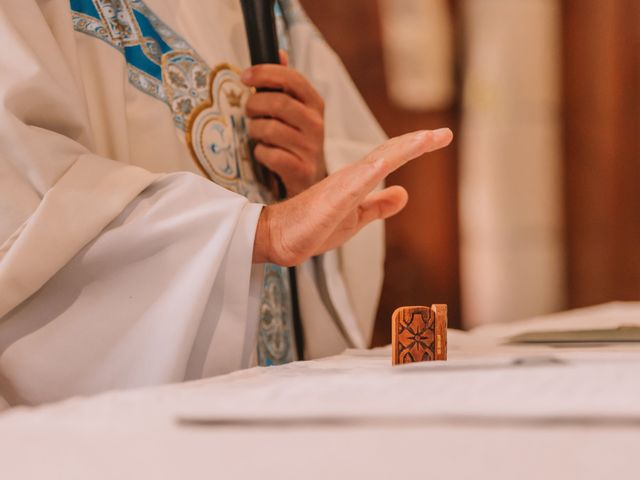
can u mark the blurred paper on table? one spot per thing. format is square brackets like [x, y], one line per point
[620, 334]
[538, 387]
[609, 323]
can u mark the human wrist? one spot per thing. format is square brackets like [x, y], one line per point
[261, 244]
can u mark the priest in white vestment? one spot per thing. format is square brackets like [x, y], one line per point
[129, 207]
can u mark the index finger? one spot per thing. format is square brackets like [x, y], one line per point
[279, 77]
[347, 187]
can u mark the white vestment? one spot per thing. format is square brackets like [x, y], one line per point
[116, 271]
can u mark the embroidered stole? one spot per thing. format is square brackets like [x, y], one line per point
[207, 105]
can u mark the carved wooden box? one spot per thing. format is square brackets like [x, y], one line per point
[419, 334]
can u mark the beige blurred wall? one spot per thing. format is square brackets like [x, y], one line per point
[511, 207]
[544, 96]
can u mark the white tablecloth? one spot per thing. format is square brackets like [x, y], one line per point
[492, 411]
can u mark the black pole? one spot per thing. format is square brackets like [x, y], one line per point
[262, 35]
[260, 23]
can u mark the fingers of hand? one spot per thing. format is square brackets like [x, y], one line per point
[394, 153]
[295, 173]
[382, 204]
[349, 186]
[376, 206]
[330, 212]
[276, 133]
[288, 110]
[300, 228]
[284, 57]
[284, 78]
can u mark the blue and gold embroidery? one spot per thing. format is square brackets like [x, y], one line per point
[208, 106]
[186, 82]
[155, 55]
[218, 138]
[275, 335]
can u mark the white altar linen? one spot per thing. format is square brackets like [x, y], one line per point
[492, 411]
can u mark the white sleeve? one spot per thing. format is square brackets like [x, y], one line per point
[56, 195]
[110, 276]
[354, 272]
[166, 293]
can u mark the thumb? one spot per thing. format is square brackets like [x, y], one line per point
[375, 206]
[383, 204]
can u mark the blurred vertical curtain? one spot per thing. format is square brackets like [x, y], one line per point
[417, 38]
[510, 177]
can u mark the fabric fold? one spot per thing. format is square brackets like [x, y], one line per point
[161, 291]
[90, 195]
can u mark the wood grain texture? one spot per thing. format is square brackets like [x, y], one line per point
[419, 334]
[439, 312]
[602, 149]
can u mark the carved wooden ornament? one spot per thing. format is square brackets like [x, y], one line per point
[419, 334]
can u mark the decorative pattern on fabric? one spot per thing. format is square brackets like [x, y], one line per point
[159, 62]
[218, 137]
[276, 344]
[208, 105]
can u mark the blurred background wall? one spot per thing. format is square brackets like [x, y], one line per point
[536, 208]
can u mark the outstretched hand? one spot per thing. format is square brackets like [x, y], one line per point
[330, 212]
